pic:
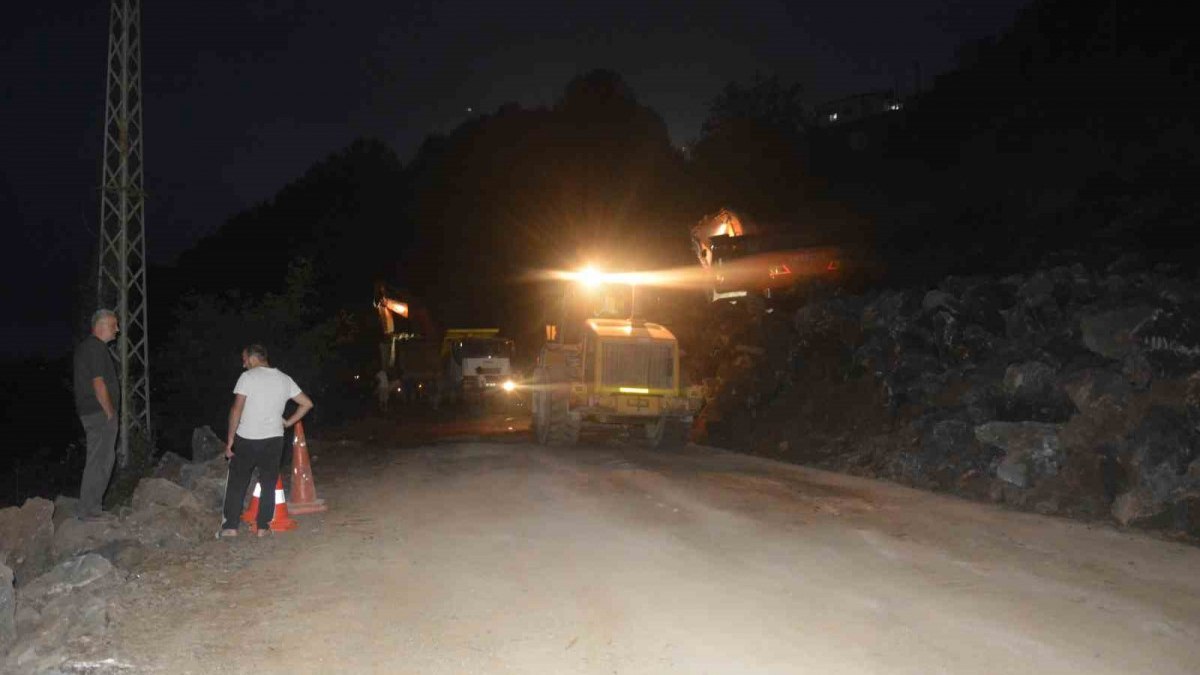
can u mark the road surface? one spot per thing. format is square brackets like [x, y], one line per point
[503, 557]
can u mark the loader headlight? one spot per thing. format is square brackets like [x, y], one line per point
[509, 385]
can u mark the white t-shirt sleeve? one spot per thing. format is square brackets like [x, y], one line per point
[241, 386]
[292, 388]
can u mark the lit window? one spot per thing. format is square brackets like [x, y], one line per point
[832, 117]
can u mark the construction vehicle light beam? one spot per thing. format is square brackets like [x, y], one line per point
[748, 270]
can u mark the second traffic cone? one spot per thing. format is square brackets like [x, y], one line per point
[280, 521]
[304, 492]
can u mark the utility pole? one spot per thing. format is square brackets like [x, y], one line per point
[122, 271]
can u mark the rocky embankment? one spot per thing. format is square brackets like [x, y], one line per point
[1066, 391]
[60, 577]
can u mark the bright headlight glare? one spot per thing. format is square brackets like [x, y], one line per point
[509, 385]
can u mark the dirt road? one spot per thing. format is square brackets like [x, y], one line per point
[508, 558]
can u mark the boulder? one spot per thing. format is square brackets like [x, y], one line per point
[1137, 507]
[1009, 436]
[983, 303]
[8, 607]
[171, 528]
[168, 515]
[937, 300]
[947, 335]
[46, 647]
[1032, 449]
[64, 509]
[1038, 290]
[1127, 263]
[1158, 457]
[27, 538]
[1191, 400]
[948, 450]
[1095, 389]
[887, 309]
[206, 445]
[62, 606]
[1080, 284]
[1170, 338]
[979, 401]
[209, 492]
[151, 492]
[1019, 324]
[1114, 334]
[1137, 370]
[66, 577]
[75, 537]
[977, 342]
[1030, 381]
[214, 468]
[1013, 469]
[126, 554]
[170, 467]
[871, 357]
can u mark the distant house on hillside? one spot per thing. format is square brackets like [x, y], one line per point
[857, 107]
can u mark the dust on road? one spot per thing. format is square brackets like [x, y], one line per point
[509, 558]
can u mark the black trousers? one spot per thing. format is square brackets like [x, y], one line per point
[101, 454]
[263, 454]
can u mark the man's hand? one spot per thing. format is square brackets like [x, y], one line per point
[102, 397]
[229, 450]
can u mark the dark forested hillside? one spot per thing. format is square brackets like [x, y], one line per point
[345, 215]
[1074, 130]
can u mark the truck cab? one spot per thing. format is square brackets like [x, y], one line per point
[476, 362]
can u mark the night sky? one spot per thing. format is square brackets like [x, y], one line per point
[241, 98]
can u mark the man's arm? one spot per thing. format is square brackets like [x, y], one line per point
[303, 405]
[102, 396]
[235, 418]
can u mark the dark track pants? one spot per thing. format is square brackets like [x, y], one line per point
[263, 454]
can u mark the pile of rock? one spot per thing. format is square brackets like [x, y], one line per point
[59, 575]
[1067, 389]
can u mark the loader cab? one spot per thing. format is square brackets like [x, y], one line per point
[572, 307]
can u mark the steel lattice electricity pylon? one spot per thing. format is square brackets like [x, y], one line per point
[122, 277]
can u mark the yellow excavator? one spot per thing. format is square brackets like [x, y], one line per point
[407, 345]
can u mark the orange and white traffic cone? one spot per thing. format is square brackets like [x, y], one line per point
[280, 521]
[250, 515]
[304, 491]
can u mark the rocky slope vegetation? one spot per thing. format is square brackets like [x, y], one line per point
[1066, 390]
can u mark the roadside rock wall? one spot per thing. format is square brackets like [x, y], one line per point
[1064, 390]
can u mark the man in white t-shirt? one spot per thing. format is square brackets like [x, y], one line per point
[255, 437]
